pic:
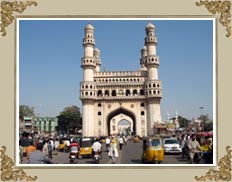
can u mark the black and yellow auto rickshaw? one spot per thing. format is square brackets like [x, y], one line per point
[153, 150]
[86, 147]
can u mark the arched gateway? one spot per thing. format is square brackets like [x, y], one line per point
[108, 98]
[113, 121]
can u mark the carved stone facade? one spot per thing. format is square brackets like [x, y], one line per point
[110, 97]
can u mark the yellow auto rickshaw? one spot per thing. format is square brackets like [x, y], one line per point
[85, 147]
[153, 150]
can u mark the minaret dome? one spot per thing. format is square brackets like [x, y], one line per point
[96, 51]
[150, 26]
[89, 27]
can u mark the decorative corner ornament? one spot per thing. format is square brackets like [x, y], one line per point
[224, 169]
[7, 169]
[7, 12]
[221, 7]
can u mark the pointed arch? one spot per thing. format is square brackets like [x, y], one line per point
[118, 111]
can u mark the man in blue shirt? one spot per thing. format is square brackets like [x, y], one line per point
[38, 157]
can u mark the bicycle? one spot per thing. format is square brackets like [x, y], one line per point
[197, 158]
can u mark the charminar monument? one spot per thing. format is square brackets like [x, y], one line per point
[113, 97]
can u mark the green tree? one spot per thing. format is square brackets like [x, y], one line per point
[69, 120]
[207, 124]
[25, 110]
[183, 122]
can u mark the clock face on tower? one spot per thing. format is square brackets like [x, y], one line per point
[120, 92]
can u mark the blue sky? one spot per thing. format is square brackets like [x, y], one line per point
[50, 53]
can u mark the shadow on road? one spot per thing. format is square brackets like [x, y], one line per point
[90, 162]
[136, 161]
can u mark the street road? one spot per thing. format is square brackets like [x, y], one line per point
[130, 154]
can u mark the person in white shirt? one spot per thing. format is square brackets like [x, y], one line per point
[107, 144]
[121, 143]
[57, 143]
[96, 147]
[194, 147]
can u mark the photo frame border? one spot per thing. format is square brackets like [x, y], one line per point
[221, 164]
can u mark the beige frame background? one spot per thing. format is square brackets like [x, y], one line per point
[168, 8]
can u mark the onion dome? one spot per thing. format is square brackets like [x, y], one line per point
[97, 51]
[144, 48]
[89, 27]
[150, 26]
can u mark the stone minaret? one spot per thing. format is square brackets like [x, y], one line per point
[97, 59]
[143, 58]
[88, 92]
[153, 85]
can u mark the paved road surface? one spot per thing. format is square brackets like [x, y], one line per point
[130, 154]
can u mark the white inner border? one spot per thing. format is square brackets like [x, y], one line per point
[116, 165]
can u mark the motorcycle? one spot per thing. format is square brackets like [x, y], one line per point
[73, 155]
[96, 157]
[73, 158]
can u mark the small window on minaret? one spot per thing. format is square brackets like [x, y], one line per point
[142, 113]
[142, 104]
[135, 92]
[99, 93]
[113, 92]
[99, 105]
[127, 92]
[99, 113]
[107, 93]
[141, 92]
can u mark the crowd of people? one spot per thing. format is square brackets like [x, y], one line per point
[112, 145]
[193, 145]
[40, 150]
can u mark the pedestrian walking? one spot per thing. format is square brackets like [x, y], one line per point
[183, 146]
[113, 151]
[50, 149]
[120, 143]
[125, 139]
[45, 148]
[57, 143]
[30, 149]
[107, 144]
